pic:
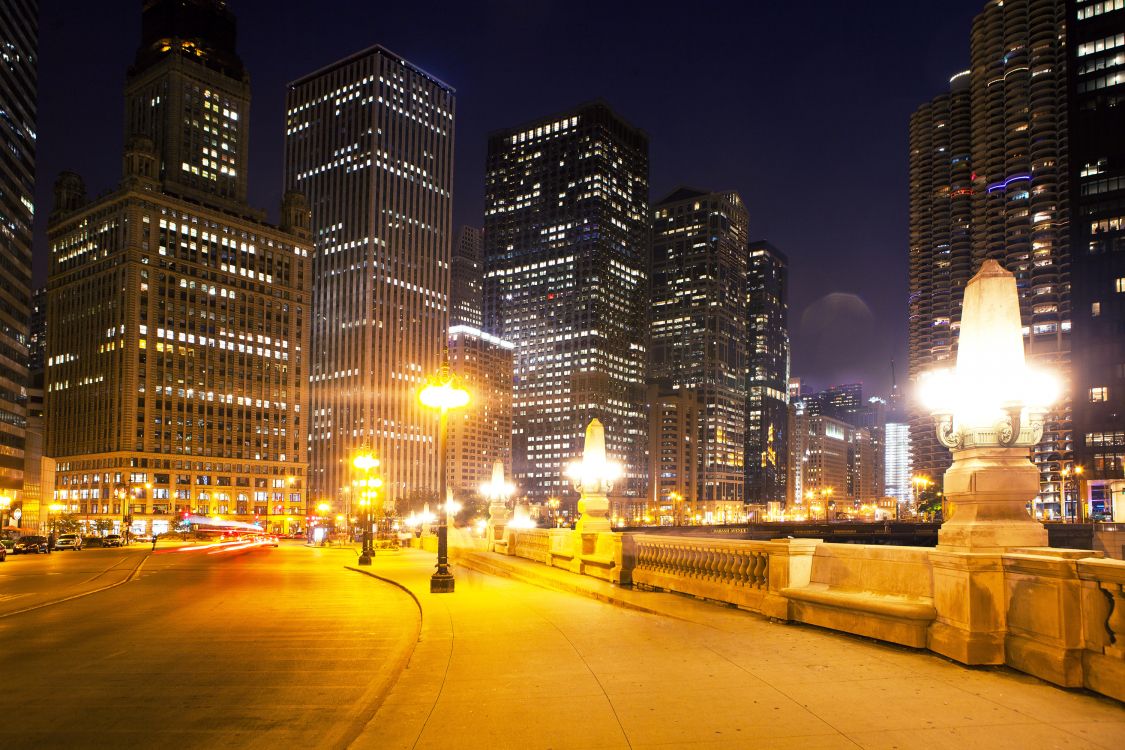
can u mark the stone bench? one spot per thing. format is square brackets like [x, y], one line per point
[878, 592]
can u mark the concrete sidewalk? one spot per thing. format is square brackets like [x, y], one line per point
[506, 663]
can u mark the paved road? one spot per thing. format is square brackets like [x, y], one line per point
[249, 648]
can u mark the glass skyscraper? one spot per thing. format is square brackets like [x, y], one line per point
[566, 238]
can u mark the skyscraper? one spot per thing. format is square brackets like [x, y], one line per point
[566, 237]
[176, 317]
[697, 332]
[1096, 90]
[898, 469]
[940, 263]
[19, 36]
[1020, 209]
[767, 351]
[480, 434]
[989, 166]
[369, 139]
[466, 279]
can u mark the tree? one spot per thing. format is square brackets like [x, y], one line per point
[929, 503]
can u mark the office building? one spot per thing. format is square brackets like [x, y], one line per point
[177, 342]
[674, 457]
[566, 247]
[698, 331]
[19, 35]
[898, 469]
[988, 179]
[831, 467]
[481, 433]
[466, 279]
[1096, 92]
[369, 140]
[767, 352]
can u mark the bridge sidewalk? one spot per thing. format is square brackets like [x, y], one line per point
[529, 657]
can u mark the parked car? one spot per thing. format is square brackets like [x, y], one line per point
[7, 544]
[93, 541]
[68, 541]
[27, 545]
[113, 540]
[4, 552]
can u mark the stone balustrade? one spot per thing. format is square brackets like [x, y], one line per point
[1056, 614]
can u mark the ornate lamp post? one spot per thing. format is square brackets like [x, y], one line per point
[593, 478]
[989, 411]
[497, 490]
[368, 487]
[443, 393]
[1072, 474]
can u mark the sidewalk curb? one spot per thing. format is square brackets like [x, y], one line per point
[381, 688]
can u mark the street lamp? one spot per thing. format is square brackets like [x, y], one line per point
[989, 411]
[368, 487]
[1074, 474]
[593, 478]
[443, 393]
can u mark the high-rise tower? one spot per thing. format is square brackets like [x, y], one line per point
[188, 92]
[19, 32]
[466, 291]
[369, 139]
[941, 195]
[767, 404]
[176, 316]
[697, 332]
[1020, 201]
[1096, 91]
[566, 237]
[988, 179]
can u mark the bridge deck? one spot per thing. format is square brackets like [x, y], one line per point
[530, 658]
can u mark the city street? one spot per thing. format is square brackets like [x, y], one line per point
[204, 648]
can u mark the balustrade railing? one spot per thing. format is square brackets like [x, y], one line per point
[531, 544]
[731, 571]
[1104, 614]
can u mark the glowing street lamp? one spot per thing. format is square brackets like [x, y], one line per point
[443, 393]
[368, 487]
[1074, 473]
[593, 478]
[989, 411]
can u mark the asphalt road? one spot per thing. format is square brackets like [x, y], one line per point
[244, 648]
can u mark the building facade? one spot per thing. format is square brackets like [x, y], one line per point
[1096, 91]
[831, 467]
[369, 140]
[466, 279]
[566, 237]
[767, 352]
[176, 378]
[480, 434]
[898, 468]
[697, 332]
[19, 32]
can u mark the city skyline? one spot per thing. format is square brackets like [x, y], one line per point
[762, 158]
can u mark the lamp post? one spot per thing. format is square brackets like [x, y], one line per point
[368, 490]
[989, 411]
[443, 393]
[1074, 474]
[498, 490]
[593, 478]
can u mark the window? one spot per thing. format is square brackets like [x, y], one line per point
[1119, 284]
[1095, 309]
[1099, 393]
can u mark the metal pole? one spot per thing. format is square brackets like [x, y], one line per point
[442, 580]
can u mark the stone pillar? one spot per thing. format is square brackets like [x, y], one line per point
[969, 598]
[593, 477]
[988, 489]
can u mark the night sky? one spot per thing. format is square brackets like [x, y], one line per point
[802, 107]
